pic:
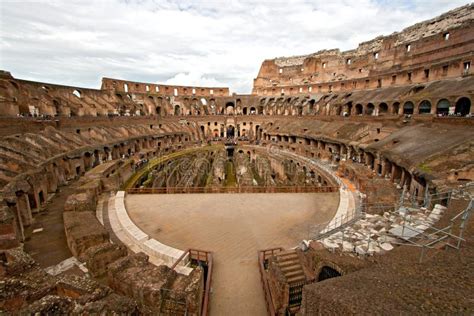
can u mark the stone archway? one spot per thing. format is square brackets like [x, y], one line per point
[463, 106]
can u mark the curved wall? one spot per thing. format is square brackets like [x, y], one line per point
[432, 50]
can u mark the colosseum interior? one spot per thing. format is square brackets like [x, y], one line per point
[343, 184]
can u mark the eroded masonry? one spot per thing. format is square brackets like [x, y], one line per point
[380, 136]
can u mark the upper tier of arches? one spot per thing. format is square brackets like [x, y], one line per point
[450, 97]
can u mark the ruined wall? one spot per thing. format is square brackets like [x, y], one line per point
[117, 85]
[428, 51]
[28, 289]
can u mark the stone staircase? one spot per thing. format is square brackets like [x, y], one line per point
[289, 263]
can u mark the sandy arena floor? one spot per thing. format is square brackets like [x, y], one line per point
[234, 227]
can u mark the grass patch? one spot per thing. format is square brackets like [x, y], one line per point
[130, 183]
[230, 177]
[424, 168]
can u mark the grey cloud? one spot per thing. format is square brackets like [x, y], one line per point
[186, 42]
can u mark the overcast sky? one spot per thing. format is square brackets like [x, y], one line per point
[207, 43]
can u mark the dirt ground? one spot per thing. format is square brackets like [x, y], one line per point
[234, 227]
[49, 247]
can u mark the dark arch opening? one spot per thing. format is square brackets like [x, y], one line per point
[230, 131]
[463, 106]
[229, 108]
[32, 201]
[442, 107]
[408, 107]
[41, 197]
[425, 107]
[370, 109]
[383, 108]
[177, 110]
[327, 273]
[349, 109]
[358, 109]
[395, 108]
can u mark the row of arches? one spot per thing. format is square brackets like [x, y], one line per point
[444, 107]
[35, 188]
[297, 107]
[332, 151]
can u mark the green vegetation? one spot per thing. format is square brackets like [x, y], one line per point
[230, 177]
[130, 183]
[257, 177]
[424, 168]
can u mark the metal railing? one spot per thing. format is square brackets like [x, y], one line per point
[338, 223]
[432, 236]
[240, 189]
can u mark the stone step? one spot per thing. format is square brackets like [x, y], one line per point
[295, 279]
[288, 263]
[294, 274]
[287, 257]
[286, 253]
[290, 268]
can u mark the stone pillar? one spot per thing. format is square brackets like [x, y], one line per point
[24, 210]
[402, 178]
[383, 161]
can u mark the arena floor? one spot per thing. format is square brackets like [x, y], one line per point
[234, 227]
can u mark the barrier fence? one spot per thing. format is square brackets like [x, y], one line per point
[203, 257]
[242, 189]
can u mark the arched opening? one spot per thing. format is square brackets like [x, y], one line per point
[348, 109]
[229, 108]
[253, 110]
[32, 201]
[41, 197]
[383, 108]
[56, 107]
[158, 110]
[358, 109]
[442, 108]
[260, 110]
[425, 107]
[370, 109]
[244, 111]
[230, 131]
[463, 106]
[177, 110]
[408, 107]
[77, 93]
[327, 273]
[311, 105]
[395, 108]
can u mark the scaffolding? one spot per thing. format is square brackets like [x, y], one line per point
[408, 228]
[448, 237]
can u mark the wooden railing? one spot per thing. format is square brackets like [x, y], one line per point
[263, 256]
[243, 189]
[206, 257]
